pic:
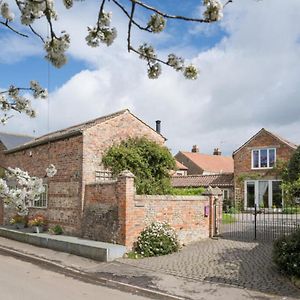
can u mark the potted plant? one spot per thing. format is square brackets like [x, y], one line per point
[37, 223]
[18, 221]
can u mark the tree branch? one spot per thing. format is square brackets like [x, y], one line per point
[129, 26]
[12, 29]
[127, 14]
[148, 7]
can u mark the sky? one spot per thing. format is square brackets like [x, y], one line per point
[249, 77]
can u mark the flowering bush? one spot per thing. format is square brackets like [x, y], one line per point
[286, 254]
[37, 220]
[17, 219]
[157, 239]
[56, 229]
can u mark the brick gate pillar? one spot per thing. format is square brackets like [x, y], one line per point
[215, 209]
[125, 196]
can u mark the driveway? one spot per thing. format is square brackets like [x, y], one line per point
[237, 263]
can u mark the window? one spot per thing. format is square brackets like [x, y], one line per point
[263, 158]
[43, 201]
[263, 193]
[225, 194]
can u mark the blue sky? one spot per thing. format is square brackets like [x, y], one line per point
[249, 69]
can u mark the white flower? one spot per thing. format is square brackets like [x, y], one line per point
[175, 62]
[6, 13]
[147, 52]
[51, 171]
[157, 23]
[214, 10]
[68, 3]
[190, 72]
[38, 91]
[101, 32]
[56, 48]
[154, 71]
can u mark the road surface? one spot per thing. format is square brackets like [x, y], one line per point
[21, 280]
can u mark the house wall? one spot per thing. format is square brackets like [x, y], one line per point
[114, 213]
[98, 138]
[242, 162]
[193, 169]
[64, 189]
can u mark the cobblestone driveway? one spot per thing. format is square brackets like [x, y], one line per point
[243, 264]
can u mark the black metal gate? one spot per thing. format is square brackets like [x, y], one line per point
[263, 224]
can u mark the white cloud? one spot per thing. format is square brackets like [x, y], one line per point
[248, 81]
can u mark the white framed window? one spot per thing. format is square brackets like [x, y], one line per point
[264, 158]
[263, 193]
[43, 201]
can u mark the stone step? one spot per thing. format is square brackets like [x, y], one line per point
[87, 248]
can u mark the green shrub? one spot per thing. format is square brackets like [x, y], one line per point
[286, 253]
[57, 230]
[187, 191]
[157, 239]
[148, 161]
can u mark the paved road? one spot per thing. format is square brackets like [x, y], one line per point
[24, 281]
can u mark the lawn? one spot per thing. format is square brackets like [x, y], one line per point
[228, 218]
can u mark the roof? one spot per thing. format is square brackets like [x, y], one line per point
[10, 140]
[219, 180]
[72, 131]
[211, 163]
[276, 136]
[180, 166]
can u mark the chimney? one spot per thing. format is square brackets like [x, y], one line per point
[195, 149]
[217, 151]
[158, 126]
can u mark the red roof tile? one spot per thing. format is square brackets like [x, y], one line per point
[211, 163]
[217, 180]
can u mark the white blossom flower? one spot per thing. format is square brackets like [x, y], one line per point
[101, 32]
[56, 48]
[157, 23]
[154, 71]
[214, 10]
[51, 171]
[175, 62]
[190, 72]
[38, 91]
[147, 52]
[6, 12]
[68, 3]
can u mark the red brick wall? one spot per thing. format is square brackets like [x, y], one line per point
[242, 161]
[135, 212]
[64, 190]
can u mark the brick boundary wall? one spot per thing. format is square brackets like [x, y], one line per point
[114, 213]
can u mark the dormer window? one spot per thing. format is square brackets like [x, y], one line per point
[263, 158]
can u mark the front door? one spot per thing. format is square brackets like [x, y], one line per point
[263, 193]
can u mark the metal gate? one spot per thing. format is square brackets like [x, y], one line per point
[263, 224]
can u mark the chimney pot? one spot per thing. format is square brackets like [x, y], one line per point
[217, 151]
[158, 122]
[195, 149]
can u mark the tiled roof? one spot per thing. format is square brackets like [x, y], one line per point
[180, 166]
[71, 131]
[290, 144]
[219, 180]
[10, 140]
[211, 163]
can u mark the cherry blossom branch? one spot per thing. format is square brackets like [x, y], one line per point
[128, 15]
[12, 29]
[168, 16]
